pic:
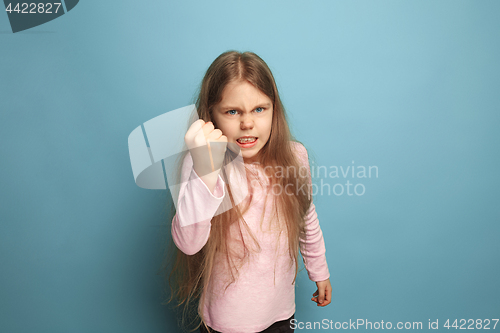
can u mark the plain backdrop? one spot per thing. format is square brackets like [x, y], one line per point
[411, 87]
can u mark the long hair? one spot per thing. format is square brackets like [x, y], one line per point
[190, 274]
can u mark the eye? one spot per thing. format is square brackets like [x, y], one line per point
[259, 110]
[230, 112]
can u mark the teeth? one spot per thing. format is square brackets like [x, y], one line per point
[244, 140]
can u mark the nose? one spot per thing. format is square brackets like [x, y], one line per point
[246, 122]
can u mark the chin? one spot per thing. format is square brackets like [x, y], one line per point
[249, 156]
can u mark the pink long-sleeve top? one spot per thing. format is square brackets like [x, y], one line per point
[263, 292]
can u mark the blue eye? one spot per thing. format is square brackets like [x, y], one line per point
[229, 112]
[259, 108]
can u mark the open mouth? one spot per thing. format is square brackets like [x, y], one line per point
[247, 139]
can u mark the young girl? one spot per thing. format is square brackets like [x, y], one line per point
[239, 267]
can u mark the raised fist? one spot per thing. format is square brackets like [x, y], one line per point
[207, 146]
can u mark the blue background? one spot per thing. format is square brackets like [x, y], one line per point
[411, 87]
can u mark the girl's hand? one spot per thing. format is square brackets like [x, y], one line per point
[207, 146]
[323, 295]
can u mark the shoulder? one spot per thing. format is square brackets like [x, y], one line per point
[300, 151]
[298, 148]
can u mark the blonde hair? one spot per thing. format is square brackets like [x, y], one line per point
[190, 274]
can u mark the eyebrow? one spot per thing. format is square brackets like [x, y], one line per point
[266, 105]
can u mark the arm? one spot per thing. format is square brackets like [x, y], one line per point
[313, 252]
[196, 205]
[312, 246]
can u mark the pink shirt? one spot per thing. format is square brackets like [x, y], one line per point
[263, 292]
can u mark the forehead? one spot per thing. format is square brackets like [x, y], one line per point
[243, 91]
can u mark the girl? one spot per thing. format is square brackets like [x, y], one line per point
[239, 267]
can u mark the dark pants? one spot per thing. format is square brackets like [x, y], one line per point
[282, 326]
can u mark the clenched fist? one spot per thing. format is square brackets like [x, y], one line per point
[207, 146]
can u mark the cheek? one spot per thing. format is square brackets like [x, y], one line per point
[268, 126]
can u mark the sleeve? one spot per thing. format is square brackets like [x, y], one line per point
[196, 206]
[312, 247]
